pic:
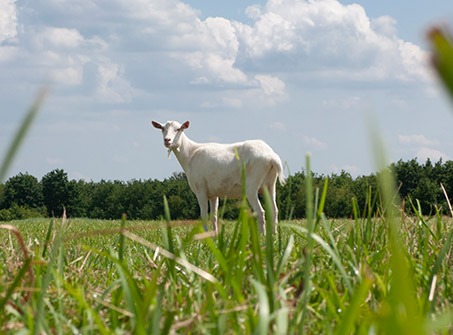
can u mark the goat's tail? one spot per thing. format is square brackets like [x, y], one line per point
[279, 167]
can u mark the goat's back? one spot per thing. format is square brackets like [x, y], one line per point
[216, 168]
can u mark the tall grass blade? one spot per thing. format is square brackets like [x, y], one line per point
[256, 250]
[15, 284]
[207, 276]
[167, 236]
[447, 199]
[309, 248]
[322, 202]
[263, 309]
[269, 250]
[442, 324]
[40, 322]
[121, 238]
[285, 256]
[438, 263]
[327, 248]
[353, 313]
[132, 296]
[47, 239]
[442, 59]
[332, 250]
[20, 134]
[21, 242]
[403, 315]
[79, 297]
[167, 216]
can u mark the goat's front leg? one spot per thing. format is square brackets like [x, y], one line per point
[203, 203]
[214, 206]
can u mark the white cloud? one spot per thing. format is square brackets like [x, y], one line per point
[423, 147]
[289, 41]
[58, 55]
[327, 36]
[216, 48]
[8, 30]
[253, 12]
[434, 155]
[8, 20]
[417, 139]
[61, 37]
[67, 75]
[271, 85]
[112, 87]
[414, 61]
[200, 81]
[314, 143]
[336, 41]
[270, 33]
[163, 13]
[385, 25]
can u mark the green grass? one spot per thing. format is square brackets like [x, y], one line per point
[91, 276]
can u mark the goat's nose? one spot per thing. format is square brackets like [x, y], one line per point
[167, 140]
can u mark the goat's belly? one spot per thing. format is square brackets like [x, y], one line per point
[225, 189]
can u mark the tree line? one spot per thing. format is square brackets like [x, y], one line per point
[23, 196]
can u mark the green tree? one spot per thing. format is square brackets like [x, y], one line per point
[78, 199]
[177, 188]
[447, 180]
[426, 193]
[291, 200]
[407, 174]
[2, 195]
[151, 206]
[366, 194]
[339, 195]
[56, 194]
[23, 190]
[106, 200]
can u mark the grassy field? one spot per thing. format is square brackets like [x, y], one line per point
[118, 277]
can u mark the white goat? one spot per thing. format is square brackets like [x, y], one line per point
[213, 170]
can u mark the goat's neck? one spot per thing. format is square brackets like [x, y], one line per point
[185, 150]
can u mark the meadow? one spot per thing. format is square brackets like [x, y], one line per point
[372, 274]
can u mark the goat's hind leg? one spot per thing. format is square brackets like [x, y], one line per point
[214, 206]
[271, 184]
[273, 198]
[252, 197]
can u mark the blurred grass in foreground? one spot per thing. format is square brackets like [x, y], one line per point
[21, 134]
[442, 55]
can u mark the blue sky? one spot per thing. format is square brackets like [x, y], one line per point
[305, 76]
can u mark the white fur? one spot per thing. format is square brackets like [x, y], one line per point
[213, 170]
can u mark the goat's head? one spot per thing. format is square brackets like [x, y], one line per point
[171, 131]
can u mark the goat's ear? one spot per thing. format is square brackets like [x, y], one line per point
[185, 125]
[157, 125]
